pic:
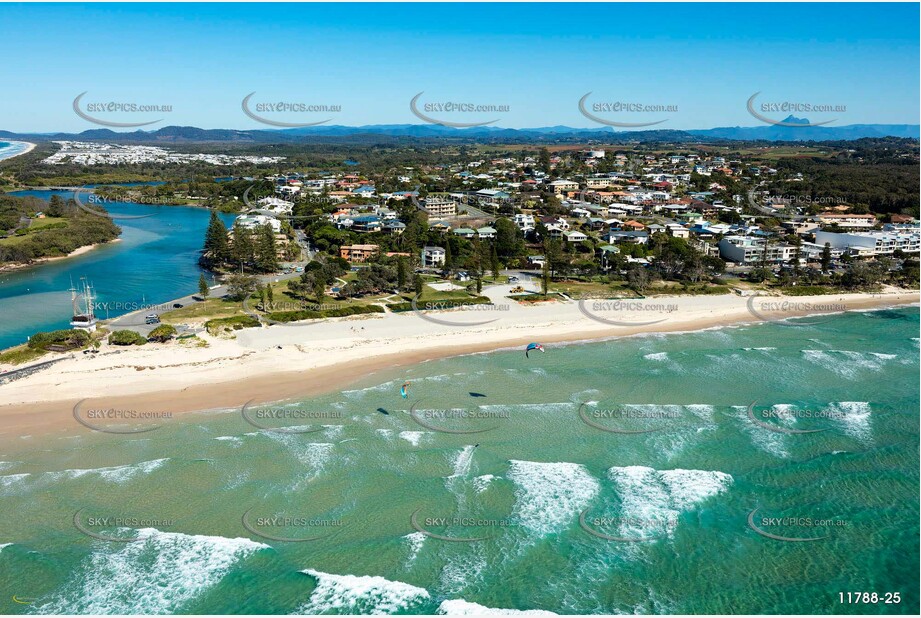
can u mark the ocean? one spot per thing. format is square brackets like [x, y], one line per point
[375, 503]
[10, 149]
[155, 261]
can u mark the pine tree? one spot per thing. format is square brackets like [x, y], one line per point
[494, 262]
[203, 290]
[449, 257]
[826, 257]
[216, 240]
[401, 273]
[265, 251]
[242, 249]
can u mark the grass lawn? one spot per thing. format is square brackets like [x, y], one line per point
[209, 309]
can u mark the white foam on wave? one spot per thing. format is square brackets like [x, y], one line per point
[482, 483]
[770, 442]
[462, 462]
[651, 500]
[465, 567]
[236, 440]
[415, 540]
[114, 474]
[355, 594]
[459, 607]
[764, 349]
[549, 496]
[3, 545]
[656, 356]
[314, 455]
[413, 437]
[847, 363]
[158, 574]
[12, 479]
[853, 417]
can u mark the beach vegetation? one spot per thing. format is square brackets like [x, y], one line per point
[126, 337]
[162, 333]
[60, 340]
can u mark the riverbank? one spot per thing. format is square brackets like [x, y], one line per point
[285, 362]
[75, 253]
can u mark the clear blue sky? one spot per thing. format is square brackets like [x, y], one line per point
[538, 59]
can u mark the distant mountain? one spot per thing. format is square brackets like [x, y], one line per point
[402, 132]
[777, 133]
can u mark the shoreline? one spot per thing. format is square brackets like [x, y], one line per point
[278, 364]
[8, 268]
[29, 148]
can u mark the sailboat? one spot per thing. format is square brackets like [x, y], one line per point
[84, 319]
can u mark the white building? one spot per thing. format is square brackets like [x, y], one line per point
[439, 206]
[432, 257]
[750, 250]
[870, 242]
[252, 221]
[524, 222]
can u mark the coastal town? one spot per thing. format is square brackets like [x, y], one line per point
[543, 224]
[460, 309]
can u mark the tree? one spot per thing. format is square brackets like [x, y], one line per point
[508, 243]
[265, 252]
[418, 285]
[494, 262]
[545, 276]
[794, 261]
[203, 289]
[862, 275]
[239, 286]
[544, 159]
[449, 256]
[242, 248]
[56, 207]
[319, 288]
[216, 246]
[162, 333]
[826, 257]
[401, 273]
[638, 279]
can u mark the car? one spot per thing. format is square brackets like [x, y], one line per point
[513, 279]
[153, 318]
[177, 305]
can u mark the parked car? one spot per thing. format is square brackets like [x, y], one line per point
[153, 318]
[177, 305]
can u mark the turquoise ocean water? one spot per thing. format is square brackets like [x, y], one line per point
[408, 519]
[155, 261]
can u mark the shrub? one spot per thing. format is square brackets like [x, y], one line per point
[338, 312]
[162, 333]
[68, 338]
[126, 337]
[233, 323]
[438, 304]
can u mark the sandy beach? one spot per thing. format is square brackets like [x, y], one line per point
[282, 362]
[29, 147]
